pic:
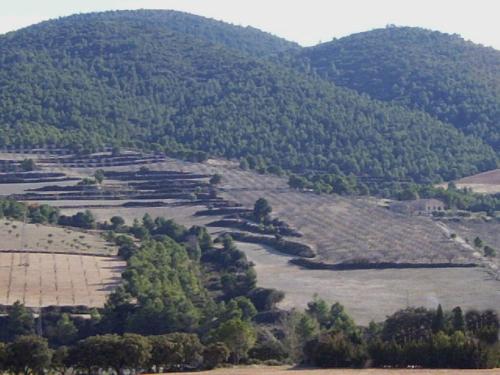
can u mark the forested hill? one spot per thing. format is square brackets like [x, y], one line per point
[452, 79]
[129, 78]
[244, 39]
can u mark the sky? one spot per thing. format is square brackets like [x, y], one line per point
[307, 22]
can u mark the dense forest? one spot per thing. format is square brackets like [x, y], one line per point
[454, 80]
[172, 82]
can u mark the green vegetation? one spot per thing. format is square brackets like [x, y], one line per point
[453, 80]
[72, 82]
[28, 165]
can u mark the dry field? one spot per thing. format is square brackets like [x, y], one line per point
[41, 279]
[486, 182]
[261, 370]
[374, 294]
[25, 237]
[338, 229]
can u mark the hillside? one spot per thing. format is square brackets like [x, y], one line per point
[127, 78]
[453, 80]
[248, 39]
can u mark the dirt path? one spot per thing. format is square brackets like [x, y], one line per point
[259, 370]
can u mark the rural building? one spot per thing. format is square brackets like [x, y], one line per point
[417, 207]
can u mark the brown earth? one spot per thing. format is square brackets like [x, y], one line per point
[40, 279]
[486, 182]
[262, 370]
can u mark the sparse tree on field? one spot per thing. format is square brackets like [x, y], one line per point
[117, 222]
[489, 251]
[261, 209]
[28, 165]
[478, 242]
[216, 179]
[99, 176]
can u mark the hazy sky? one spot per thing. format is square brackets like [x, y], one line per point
[304, 21]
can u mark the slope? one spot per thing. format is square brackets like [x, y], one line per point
[453, 80]
[105, 79]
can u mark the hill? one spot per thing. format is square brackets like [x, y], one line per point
[452, 79]
[248, 39]
[146, 79]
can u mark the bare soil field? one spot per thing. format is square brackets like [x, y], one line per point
[486, 182]
[40, 279]
[374, 294]
[262, 370]
[26, 237]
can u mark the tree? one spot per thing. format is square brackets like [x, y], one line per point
[238, 335]
[261, 209]
[28, 165]
[65, 331]
[265, 299]
[457, 320]
[478, 242]
[99, 176]
[215, 354]
[319, 310]
[334, 350]
[216, 179]
[135, 351]
[438, 320]
[20, 321]
[60, 359]
[117, 222]
[307, 328]
[28, 354]
[489, 251]
[163, 353]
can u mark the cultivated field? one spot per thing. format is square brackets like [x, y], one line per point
[41, 279]
[260, 370]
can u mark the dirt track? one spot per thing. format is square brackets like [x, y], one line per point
[287, 370]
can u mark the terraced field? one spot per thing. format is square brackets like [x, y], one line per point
[338, 229]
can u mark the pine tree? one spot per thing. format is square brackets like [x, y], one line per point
[458, 321]
[438, 320]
